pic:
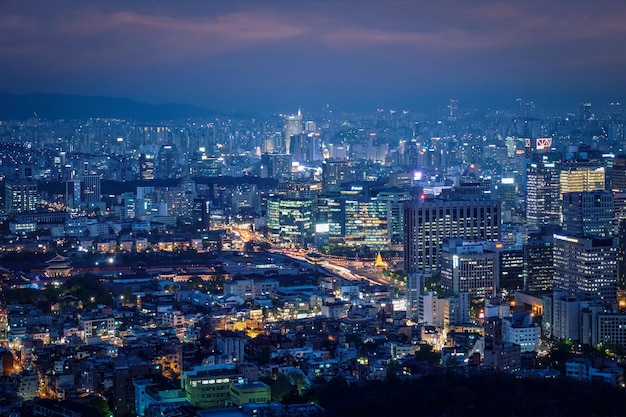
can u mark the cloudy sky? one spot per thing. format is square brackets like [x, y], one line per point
[353, 54]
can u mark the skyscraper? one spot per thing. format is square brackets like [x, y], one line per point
[336, 172]
[292, 128]
[538, 265]
[588, 213]
[618, 182]
[90, 188]
[429, 221]
[395, 197]
[20, 196]
[468, 267]
[586, 267]
[543, 202]
[577, 176]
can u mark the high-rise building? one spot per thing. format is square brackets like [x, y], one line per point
[146, 166]
[90, 188]
[538, 265]
[167, 166]
[588, 213]
[20, 196]
[293, 128]
[619, 231]
[428, 221]
[507, 190]
[276, 165]
[415, 286]
[352, 221]
[395, 198]
[290, 220]
[586, 267]
[468, 267]
[618, 181]
[365, 223]
[543, 201]
[336, 172]
[578, 175]
[510, 259]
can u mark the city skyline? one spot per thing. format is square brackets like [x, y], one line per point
[276, 56]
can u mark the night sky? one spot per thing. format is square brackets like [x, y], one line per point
[352, 54]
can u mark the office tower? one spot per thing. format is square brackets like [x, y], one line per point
[453, 107]
[618, 182]
[146, 166]
[336, 172]
[292, 128]
[588, 213]
[330, 220]
[202, 213]
[538, 265]
[351, 222]
[543, 200]
[561, 315]
[130, 206]
[305, 147]
[415, 285]
[73, 193]
[299, 189]
[510, 269]
[365, 223]
[468, 267]
[429, 221]
[167, 166]
[506, 191]
[619, 231]
[290, 220]
[20, 196]
[90, 188]
[586, 267]
[577, 176]
[395, 198]
[276, 165]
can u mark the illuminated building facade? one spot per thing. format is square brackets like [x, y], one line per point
[577, 176]
[538, 266]
[365, 223]
[618, 180]
[351, 222]
[20, 196]
[468, 267]
[395, 215]
[586, 267]
[543, 201]
[588, 213]
[429, 221]
[146, 166]
[90, 188]
[335, 172]
[293, 129]
[290, 220]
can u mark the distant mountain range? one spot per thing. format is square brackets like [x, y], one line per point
[62, 106]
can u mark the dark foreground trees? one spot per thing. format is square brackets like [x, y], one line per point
[479, 395]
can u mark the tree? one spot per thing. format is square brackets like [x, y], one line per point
[265, 355]
[426, 354]
[196, 282]
[280, 386]
[102, 406]
[299, 380]
[216, 284]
